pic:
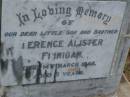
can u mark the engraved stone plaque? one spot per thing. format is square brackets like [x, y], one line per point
[53, 41]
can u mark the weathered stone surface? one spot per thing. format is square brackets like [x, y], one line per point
[57, 41]
[80, 88]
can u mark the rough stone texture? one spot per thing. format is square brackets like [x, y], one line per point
[82, 88]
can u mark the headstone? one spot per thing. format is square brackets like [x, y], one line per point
[54, 41]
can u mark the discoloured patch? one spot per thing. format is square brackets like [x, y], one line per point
[28, 73]
[17, 66]
[73, 69]
[39, 72]
[1, 48]
[4, 66]
[10, 51]
[45, 76]
[55, 73]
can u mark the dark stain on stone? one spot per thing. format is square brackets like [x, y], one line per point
[38, 73]
[28, 73]
[3, 63]
[45, 73]
[55, 73]
[4, 66]
[10, 51]
[4, 94]
[1, 49]
[17, 66]
[29, 61]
